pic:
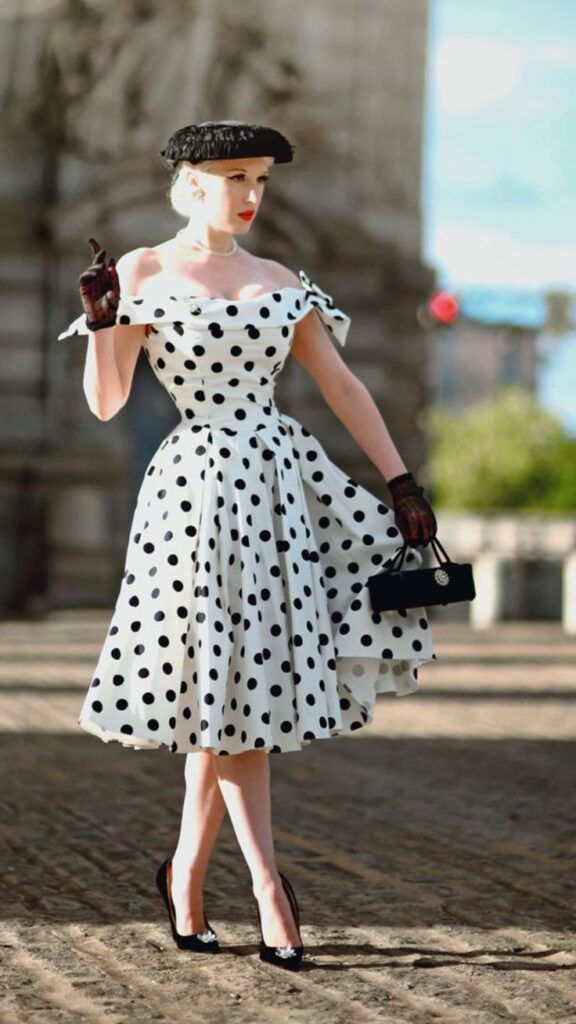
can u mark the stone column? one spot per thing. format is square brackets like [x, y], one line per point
[486, 608]
[569, 593]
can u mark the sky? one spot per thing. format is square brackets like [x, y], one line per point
[499, 190]
[499, 176]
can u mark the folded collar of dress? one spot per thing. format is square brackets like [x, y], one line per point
[282, 306]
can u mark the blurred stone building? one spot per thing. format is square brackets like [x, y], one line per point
[495, 342]
[90, 92]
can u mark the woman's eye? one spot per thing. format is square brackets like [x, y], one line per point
[263, 177]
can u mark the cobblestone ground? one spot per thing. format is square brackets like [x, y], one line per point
[430, 854]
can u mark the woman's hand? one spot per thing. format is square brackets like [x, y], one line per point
[99, 290]
[413, 515]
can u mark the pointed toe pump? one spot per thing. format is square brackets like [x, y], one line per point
[288, 957]
[200, 942]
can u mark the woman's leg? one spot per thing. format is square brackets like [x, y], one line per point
[202, 814]
[245, 785]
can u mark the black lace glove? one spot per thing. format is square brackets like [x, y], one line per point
[99, 290]
[413, 515]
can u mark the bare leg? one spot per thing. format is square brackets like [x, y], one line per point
[245, 785]
[203, 811]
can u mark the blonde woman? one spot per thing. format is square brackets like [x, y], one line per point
[242, 626]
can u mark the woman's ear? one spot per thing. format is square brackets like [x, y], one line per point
[191, 178]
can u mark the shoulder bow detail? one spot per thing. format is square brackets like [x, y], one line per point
[335, 319]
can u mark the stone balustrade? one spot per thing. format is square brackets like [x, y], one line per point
[500, 546]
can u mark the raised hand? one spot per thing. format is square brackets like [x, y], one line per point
[413, 515]
[99, 290]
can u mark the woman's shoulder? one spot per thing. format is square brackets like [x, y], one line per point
[284, 276]
[135, 265]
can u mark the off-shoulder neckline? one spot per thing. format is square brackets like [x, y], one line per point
[139, 299]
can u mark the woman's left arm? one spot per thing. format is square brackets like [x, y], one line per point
[357, 410]
[346, 395]
[354, 406]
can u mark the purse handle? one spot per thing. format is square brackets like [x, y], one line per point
[435, 543]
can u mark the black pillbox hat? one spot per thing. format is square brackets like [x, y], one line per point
[223, 140]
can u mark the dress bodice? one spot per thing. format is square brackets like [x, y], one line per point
[219, 358]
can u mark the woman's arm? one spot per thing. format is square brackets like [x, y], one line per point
[346, 395]
[112, 352]
[111, 358]
[357, 410]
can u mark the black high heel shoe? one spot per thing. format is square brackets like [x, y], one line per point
[200, 942]
[289, 957]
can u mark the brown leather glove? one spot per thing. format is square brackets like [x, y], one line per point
[413, 515]
[99, 290]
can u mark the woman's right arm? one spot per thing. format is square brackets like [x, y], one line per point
[112, 352]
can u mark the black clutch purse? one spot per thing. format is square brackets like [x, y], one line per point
[414, 588]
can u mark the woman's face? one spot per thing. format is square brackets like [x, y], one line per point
[231, 187]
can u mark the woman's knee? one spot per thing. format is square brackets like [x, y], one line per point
[229, 765]
[199, 763]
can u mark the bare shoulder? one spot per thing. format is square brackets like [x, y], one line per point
[135, 265]
[284, 276]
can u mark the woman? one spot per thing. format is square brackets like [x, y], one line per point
[242, 626]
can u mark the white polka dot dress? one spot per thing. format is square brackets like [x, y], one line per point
[243, 618]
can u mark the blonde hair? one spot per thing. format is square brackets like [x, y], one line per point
[179, 192]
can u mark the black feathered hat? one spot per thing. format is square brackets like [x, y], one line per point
[223, 140]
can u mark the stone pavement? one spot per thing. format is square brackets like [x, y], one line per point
[432, 853]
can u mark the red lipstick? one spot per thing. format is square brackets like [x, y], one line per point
[247, 215]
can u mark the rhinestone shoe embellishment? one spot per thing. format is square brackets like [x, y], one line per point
[285, 951]
[207, 936]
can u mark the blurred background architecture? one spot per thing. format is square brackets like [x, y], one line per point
[90, 91]
[90, 94]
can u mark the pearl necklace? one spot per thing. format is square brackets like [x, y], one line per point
[181, 236]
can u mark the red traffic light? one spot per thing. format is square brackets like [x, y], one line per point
[443, 307]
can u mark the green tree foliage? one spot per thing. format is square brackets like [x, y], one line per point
[508, 453]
